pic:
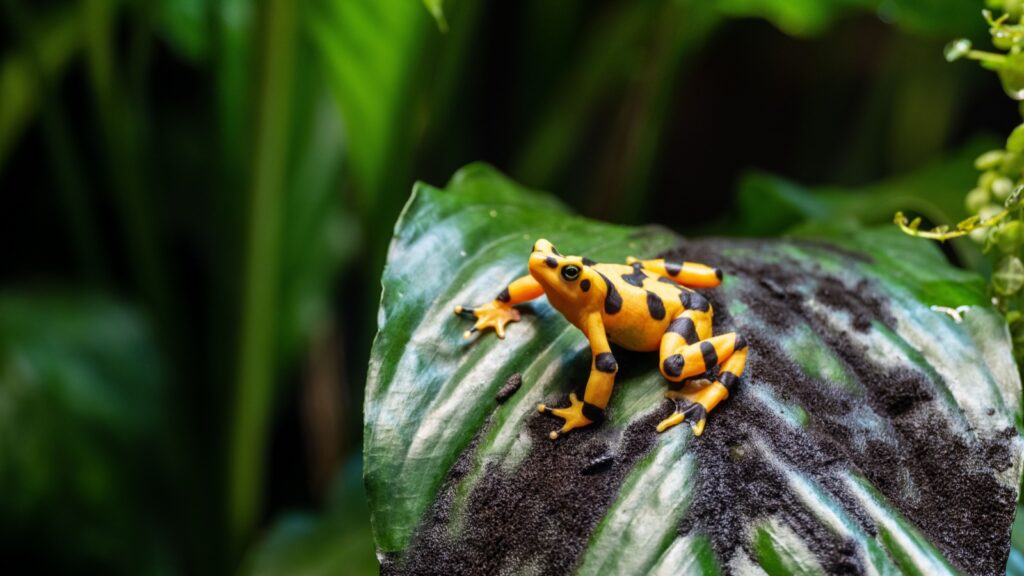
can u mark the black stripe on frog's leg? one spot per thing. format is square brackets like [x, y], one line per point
[504, 296]
[729, 380]
[684, 327]
[694, 301]
[636, 277]
[612, 299]
[740, 343]
[707, 349]
[605, 362]
[593, 412]
[673, 365]
[673, 268]
[655, 306]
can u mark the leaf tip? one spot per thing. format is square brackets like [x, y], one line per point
[436, 9]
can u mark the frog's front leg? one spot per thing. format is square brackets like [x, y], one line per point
[500, 311]
[599, 386]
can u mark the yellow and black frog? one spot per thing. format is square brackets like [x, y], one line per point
[645, 305]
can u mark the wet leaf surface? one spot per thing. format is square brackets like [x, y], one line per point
[871, 432]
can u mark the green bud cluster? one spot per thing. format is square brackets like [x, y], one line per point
[994, 204]
[1006, 37]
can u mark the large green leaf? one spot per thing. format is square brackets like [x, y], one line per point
[871, 432]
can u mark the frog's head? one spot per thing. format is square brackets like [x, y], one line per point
[569, 277]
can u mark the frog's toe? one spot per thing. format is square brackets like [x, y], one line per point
[673, 420]
[488, 316]
[573, 416]
[694, 412]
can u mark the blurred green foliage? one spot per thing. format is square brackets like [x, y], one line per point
[74, 459]
[211, 187]
[334, 542]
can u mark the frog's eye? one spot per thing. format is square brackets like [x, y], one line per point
[571, 272]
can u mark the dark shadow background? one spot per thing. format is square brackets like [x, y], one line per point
[198, 198]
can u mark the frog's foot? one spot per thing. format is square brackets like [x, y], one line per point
[491, 315]
[573, 415]
[686, 410]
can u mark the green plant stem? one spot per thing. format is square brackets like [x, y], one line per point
[987, 57]
[257, 347]
[121, 124]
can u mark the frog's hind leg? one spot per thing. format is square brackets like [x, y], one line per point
[692, 274]
[694, 401]
[685, 354]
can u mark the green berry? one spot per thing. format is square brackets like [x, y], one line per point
[986, 179]
[1001, 188]
[1013, 163]
[1015, 143]
[989, 160]
[989, 211]
[1007, 237]
[976, 200]
[957, 49]
[1011, 7]
[1008, 277]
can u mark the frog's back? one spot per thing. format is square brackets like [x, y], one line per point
[638, 306]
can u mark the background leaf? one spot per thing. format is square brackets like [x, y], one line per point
[769, 205]
[807, 17]
[24, 76]
[80, 445]
[336, 541]
[828, 456]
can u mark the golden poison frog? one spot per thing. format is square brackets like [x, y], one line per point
[644, 305]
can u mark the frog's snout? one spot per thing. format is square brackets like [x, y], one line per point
[545, 247]
[540, 262]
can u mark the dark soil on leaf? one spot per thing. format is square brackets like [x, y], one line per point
[930, 474]
[538, 518]
[510, 387]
